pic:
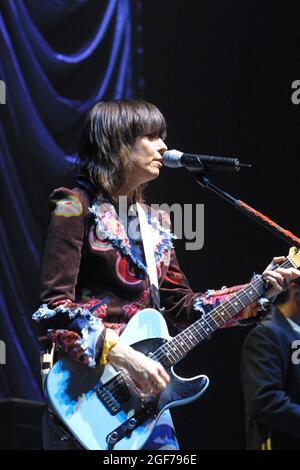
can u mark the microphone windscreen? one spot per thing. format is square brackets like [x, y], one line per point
[172, 158]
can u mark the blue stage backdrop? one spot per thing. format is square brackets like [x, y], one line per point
[57, 58]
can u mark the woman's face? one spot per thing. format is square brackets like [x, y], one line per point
[146, 159]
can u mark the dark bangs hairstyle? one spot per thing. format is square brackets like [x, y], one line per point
[110, 128]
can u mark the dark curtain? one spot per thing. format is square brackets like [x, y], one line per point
[57, 58]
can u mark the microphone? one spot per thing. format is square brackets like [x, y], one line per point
[176, 159]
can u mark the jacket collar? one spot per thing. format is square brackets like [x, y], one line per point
[109, 227]
[84, 183]
[280, 319]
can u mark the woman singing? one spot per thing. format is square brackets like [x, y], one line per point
[94, 275]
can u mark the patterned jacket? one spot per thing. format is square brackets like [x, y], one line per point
[94, 277]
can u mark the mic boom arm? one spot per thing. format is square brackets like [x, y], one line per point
[259, 217]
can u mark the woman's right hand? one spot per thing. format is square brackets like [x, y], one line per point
[149, 376]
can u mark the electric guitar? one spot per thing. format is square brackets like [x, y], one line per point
[103, 409]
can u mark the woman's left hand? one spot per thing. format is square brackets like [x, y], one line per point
[279, 279]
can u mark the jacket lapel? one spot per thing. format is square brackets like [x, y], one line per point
[109, 227]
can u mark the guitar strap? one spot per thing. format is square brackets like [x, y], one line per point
[47, 361]
[148, 244]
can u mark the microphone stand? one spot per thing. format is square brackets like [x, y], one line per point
[204, 181]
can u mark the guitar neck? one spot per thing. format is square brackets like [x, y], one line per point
[174, 350]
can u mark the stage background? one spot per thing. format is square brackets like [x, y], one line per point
[57, 59]
[221, 72]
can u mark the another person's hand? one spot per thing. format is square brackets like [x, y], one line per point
[279, 279]
[149, 376]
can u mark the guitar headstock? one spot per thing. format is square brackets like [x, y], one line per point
[294, 256]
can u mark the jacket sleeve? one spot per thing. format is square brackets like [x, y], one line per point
[59, 319]
[263, 374]
[62, 251]
[182, 305]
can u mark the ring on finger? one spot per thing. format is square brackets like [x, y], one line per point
[160, 384]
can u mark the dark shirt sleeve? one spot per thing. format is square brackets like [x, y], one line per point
[263, 373]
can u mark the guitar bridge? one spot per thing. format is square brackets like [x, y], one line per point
[114, 394]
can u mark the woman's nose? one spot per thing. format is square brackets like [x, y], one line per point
[161, 146]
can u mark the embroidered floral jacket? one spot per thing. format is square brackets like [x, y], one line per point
[94, 277]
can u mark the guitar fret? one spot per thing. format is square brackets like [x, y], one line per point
[230, 303]
[182, 344]
[288, 263]
[226, 311]
[196, 327]
[255, 289]
[178, 346]
[186, 344]
[212, 317]
[168, 352]
[176, 351]
[200, 327]
[197, 332]
[220, 315]
[250, 291]
[202, 323]
[250, 298]
[173, 353]
[238, 297]
[190, 336]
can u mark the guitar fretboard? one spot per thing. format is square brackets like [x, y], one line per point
[174, 350]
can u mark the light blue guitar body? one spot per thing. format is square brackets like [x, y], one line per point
[102, 408]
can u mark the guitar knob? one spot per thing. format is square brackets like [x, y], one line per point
[132, 423]
[112, 438]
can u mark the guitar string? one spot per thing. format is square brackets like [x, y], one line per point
[199, 329]
[207, 318]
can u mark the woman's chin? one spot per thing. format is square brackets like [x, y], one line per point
[151, 176]
[155, 174]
